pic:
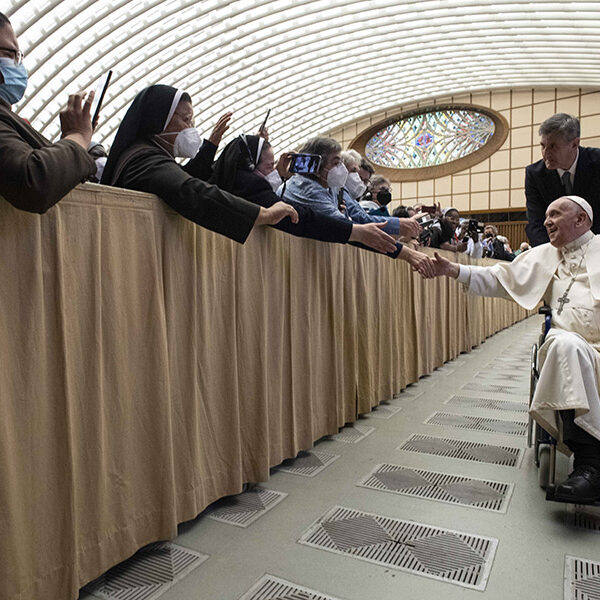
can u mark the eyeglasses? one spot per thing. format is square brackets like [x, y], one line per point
[16, 55]
[189, 121]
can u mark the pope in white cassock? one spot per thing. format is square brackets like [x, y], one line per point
[565, 274]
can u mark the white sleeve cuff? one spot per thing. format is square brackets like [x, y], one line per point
[464, 275]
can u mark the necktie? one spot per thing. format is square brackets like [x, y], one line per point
[566, 181]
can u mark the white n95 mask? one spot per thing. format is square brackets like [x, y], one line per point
[274, 179]
[336, 178]
[355, 185]
[187, 143]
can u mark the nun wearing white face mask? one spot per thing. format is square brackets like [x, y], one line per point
[157, 128]
[246, 167]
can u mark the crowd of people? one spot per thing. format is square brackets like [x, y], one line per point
[343, 200]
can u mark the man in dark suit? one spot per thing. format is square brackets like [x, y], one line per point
[565, 169]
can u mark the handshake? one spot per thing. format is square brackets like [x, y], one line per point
[430, 268]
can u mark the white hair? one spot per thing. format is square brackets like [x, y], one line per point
[351, 158]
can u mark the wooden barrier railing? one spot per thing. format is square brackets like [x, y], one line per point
[150, 367]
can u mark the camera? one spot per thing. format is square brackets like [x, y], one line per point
[427, 223]
[475, 227]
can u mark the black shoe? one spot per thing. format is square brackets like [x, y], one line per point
[582, 486]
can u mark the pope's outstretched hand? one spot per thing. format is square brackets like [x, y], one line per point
[442, 266]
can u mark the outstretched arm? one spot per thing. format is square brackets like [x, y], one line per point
[419, 262]
[443, 267]
[274, 214]
[481, 281]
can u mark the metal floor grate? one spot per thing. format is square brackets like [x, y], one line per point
[383, 411]
[478, 423]
[445, 370]
[582, 579]
[442, 554]
[516, 379]
[520, 365]
[583, 517]
[269, 587]
[308, 464]
[443, 487]
[494, 388]
[408, 395]
[353, 434]
[487, 453]
[245, 508]
[456, 363]
[490, 403]
[148, 574]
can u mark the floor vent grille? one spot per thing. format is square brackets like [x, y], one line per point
[486, 453]
[274, 588]
[308, 464]
[408, 395]
[493, 388]
[513, 379]
[443, 487]
[384, 411]
[243, 509]
[148, 574]
[582, 579]
[583, 517]
[478, 423]
[488, 403]
[441, 554]
[521, 365]
[352, 434]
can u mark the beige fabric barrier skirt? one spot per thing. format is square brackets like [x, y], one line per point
[150, 367]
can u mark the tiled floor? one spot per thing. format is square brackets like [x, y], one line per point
[371, 516]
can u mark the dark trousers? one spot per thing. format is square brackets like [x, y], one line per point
[585, 447]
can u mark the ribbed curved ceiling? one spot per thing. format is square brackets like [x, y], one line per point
[315, 63]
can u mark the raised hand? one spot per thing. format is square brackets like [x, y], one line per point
[372, 235]
[279, 211]
[76, 120]
[220, 128]
[283, 165]
[409, 227]
[263, 132]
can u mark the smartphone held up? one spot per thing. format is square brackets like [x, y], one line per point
[304, 163]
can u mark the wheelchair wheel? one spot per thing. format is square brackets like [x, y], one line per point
[544, 465]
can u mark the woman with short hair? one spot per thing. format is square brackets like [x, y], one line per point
[247, 168]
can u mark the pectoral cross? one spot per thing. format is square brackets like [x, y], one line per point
[562, 301]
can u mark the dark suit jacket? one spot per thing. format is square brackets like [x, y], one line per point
[34, 173]
[543, 186]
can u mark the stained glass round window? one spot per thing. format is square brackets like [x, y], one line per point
[429, 139]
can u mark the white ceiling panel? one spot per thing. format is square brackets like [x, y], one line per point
[315, 63]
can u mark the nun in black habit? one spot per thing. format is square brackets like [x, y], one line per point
[244, 169]
[159, 126]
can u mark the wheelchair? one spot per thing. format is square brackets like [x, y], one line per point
[544, 444]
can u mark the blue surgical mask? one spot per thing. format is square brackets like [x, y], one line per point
[15, 80]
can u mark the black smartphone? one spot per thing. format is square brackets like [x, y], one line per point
[264, 124]
[304, 163]
[98, 99]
